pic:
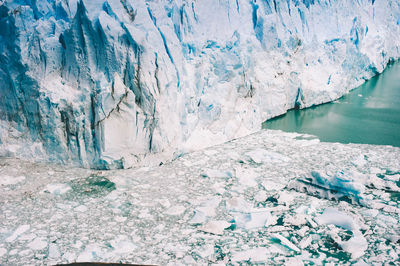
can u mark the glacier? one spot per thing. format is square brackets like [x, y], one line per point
[117, 83]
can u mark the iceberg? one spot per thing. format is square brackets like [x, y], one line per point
[113, 84]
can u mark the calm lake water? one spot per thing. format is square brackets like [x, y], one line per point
[368, 114]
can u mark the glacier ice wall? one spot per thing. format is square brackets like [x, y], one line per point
[111, 83]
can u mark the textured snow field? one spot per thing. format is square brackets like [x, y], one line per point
[251, 200]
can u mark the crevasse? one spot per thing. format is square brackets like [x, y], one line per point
[110, 84]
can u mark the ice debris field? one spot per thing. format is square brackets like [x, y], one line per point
[269, 198]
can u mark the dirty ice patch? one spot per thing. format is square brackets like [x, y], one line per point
[263, 156]
[6, 180]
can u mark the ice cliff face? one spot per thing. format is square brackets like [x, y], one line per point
[107, 84]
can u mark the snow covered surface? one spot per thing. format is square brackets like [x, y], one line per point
[113, 83]
[177, 214]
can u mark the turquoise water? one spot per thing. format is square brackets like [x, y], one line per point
[368, 114]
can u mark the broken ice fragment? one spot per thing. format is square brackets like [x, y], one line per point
[215, 227]
[283, 241]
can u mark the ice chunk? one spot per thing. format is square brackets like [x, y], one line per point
[215, 227]
[342, 185]
[54, 251]
[255, 218]
[175, 210]
[81, 208]
[214, 173]
[336, 217]
[285, 198]
[199, 217]
[238, 204]
[283, 241]
[246, 177]
[19, 231]
[305, 242]
[6, 180]
[38, 244]
[264, 156]
[206, 251]
[357, 244]
[256, 255]
[122, 246]
[3, 251]
[261, 196]
[57, 189]
[91, 253]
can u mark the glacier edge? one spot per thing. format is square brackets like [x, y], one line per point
[111, 84]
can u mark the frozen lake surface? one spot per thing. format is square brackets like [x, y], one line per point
[272, 197]
[368, 114]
